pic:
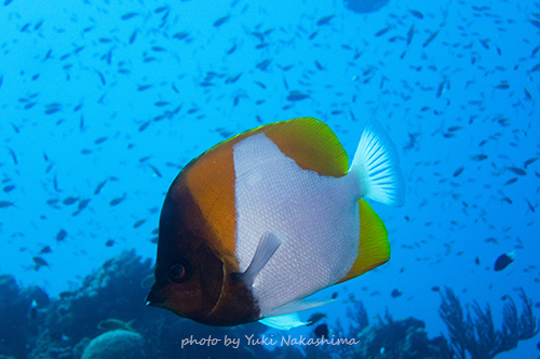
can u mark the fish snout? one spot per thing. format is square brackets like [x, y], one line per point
[154, 298]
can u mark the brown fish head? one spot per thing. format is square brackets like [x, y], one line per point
[189, 276]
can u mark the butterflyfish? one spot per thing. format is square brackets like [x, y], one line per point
[261, 221]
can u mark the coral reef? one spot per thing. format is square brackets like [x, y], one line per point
[21, 314]
[476, 335]
[401, 339]
[113, 290]
[107, 316]
[116, 344]
[396, 339]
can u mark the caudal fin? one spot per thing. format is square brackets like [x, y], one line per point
[376, 166]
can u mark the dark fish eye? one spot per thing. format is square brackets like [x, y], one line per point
[180, 272]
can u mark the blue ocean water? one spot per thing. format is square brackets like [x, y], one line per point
[103, 102]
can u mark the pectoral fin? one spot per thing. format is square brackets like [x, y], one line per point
[283, 322]
[267, 246]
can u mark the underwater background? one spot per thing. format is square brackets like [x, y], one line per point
[103, 102]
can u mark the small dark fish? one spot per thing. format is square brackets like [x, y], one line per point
[99, 187]
[8, 188]
[100, 140]
[83, 204]
[503, 261]
[39, 262]
[233, 79]
[430, 38]
[334, 295]
[531, 207]
[441, 88]
[70, 200]
[52, 201]
[315, 317]
[180, 35]
[535, 23]
[61, 235]
[502, 86]
[321, 331]
[417, 14]
[13, 156]
[139, 223]
[396, 293]
[382, 31]
[325, 20]
[435, 289]
[117, 201]
[517, 171]
[221, 20]
[144, 126]
[143, 87]
[530, 161]
[480, 157]
[510, 181]
[33, 310]
[231, 50]
[109, 243]
[4, 204]
[115, 324]
[102, 78]
[133, 37]
[484, 43]
[147, 281]
[129, 15]
[458, 172]
[46, 249]
[410, 34]
[296, 96]
[263, 64]
[155, 170]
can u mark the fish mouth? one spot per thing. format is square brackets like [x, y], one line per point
[155, 299]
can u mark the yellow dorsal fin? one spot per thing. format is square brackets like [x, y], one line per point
[374, 248]
[310, 143]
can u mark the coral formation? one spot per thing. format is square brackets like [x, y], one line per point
[36, 327]
[476, 335]
[401, 339]
[115, 344]
[20, 312]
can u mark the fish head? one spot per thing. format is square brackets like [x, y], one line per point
[189, 275]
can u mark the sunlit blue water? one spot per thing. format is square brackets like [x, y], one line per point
[126, 93]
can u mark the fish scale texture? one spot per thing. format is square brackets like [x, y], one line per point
[315, 217]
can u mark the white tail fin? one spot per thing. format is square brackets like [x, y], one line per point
[376, 166]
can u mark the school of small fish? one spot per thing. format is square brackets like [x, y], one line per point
[102, 104]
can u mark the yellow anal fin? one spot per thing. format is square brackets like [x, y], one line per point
[373, 248]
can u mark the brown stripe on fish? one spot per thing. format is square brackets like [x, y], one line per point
[214, 194]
